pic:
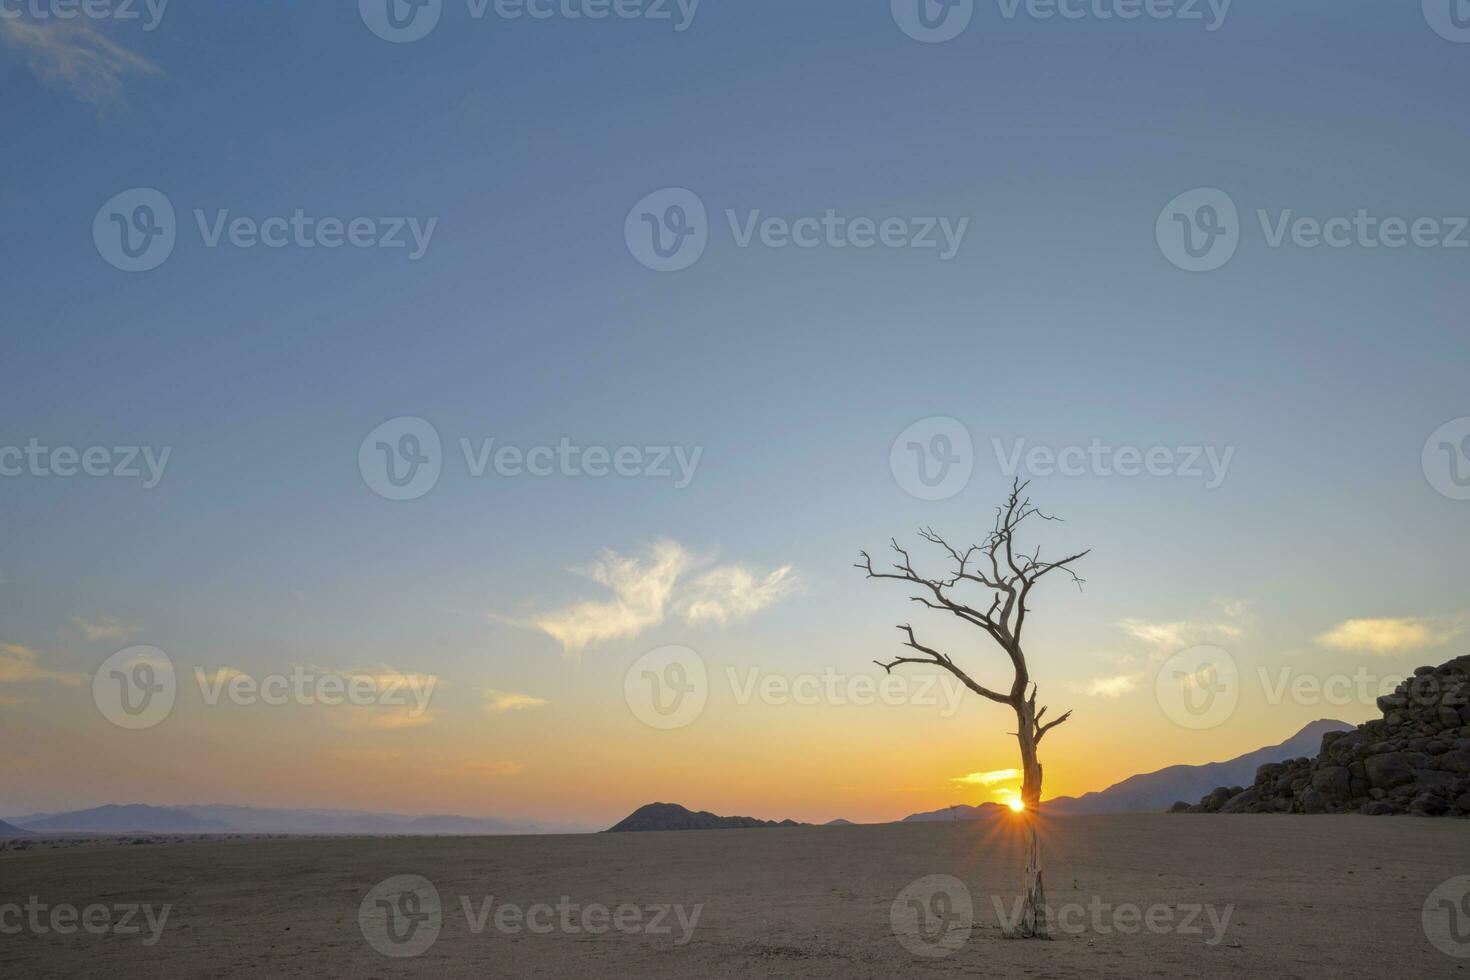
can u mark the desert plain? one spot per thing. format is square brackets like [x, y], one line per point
[1272, 896]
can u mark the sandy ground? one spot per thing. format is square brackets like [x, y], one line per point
[1306, 897]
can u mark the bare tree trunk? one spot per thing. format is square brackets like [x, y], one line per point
[1033, 924]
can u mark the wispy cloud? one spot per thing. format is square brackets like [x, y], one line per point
[641, 589]
[733, 592]
[501, 701]
[21, 664]
[1392, 635]
[104, 628]
[1111, 687]
[1162, 638]
[987, 778]
[219, 676]
[76, 55]
[1232, 607]
[1170, 636]
[374, 718]
[382, 678]
[647, 588]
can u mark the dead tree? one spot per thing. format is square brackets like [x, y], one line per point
[1004, 574]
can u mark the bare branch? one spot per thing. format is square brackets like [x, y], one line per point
[1043, 729]
[938, 659]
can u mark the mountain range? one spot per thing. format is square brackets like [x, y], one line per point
[222, 819]
[6, 830]
[1155, 792]
[1152, 792]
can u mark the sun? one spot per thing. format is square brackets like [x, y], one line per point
[1015, 804]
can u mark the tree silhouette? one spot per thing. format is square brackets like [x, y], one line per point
[998, 569]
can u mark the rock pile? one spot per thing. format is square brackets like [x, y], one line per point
[1415, 759]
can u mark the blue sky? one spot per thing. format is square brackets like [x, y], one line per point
[528, 319]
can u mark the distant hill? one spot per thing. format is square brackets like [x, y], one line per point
[672, 816]
[222, 819]
[839, 822]
[1155, 792]
[961, 812]
[267, 821]
[113, 819]
[6, 830]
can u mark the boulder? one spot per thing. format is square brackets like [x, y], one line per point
[1428, 805]
[1434, 779]
[1456, 761]
[1216, 799]
[1332, 782]
[1388, 770]
[1241, 802]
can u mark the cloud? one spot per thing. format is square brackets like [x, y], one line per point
[103, 628]
[357, 718]
[1234, 608]
[645, 589]
[77, 56]
[1163, 638]
[733, 592]
[1391, 635]
[987, 778]
[382, 678]
[20, 665]
[398, 699]
[641, 589]
[501, 701]
[1111, 687]
[220, 677]
[1166, 636]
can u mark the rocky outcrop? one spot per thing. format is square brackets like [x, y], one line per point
[672, 816]
[1413, 760]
